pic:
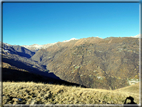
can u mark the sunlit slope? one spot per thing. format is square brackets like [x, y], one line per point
[131, 89]
[109, 63]
[32, 93]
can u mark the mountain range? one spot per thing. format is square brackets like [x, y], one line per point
[36, 47]
[109, 63]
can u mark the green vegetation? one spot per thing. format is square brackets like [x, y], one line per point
[76, 67]
[38, 93]
[46, 71]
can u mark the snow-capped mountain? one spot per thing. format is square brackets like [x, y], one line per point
[36, 47]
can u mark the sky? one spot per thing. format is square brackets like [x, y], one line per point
[43, 23]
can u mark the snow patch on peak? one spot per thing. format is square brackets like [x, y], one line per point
[70, 40]
[73, 39]
[98, 37]
[136, 36]
[37, 46]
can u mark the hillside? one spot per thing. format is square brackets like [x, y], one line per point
[39, 93]
[23, 63]
[109, 63]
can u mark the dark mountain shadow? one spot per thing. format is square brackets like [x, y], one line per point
[17, 75]
[29, 68]
[24, 54]
[19, 50]
[131, 104]
[22, 76]
[33, 74]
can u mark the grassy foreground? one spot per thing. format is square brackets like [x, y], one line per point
[38, 93]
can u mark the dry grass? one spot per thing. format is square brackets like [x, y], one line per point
[33, 93]
[133, 89]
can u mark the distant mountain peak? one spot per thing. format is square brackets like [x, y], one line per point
[98, 37]
[37, 46]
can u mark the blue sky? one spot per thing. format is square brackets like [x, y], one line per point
[43, 23]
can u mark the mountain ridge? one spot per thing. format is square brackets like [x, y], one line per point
[36, 47]
[93, 62]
